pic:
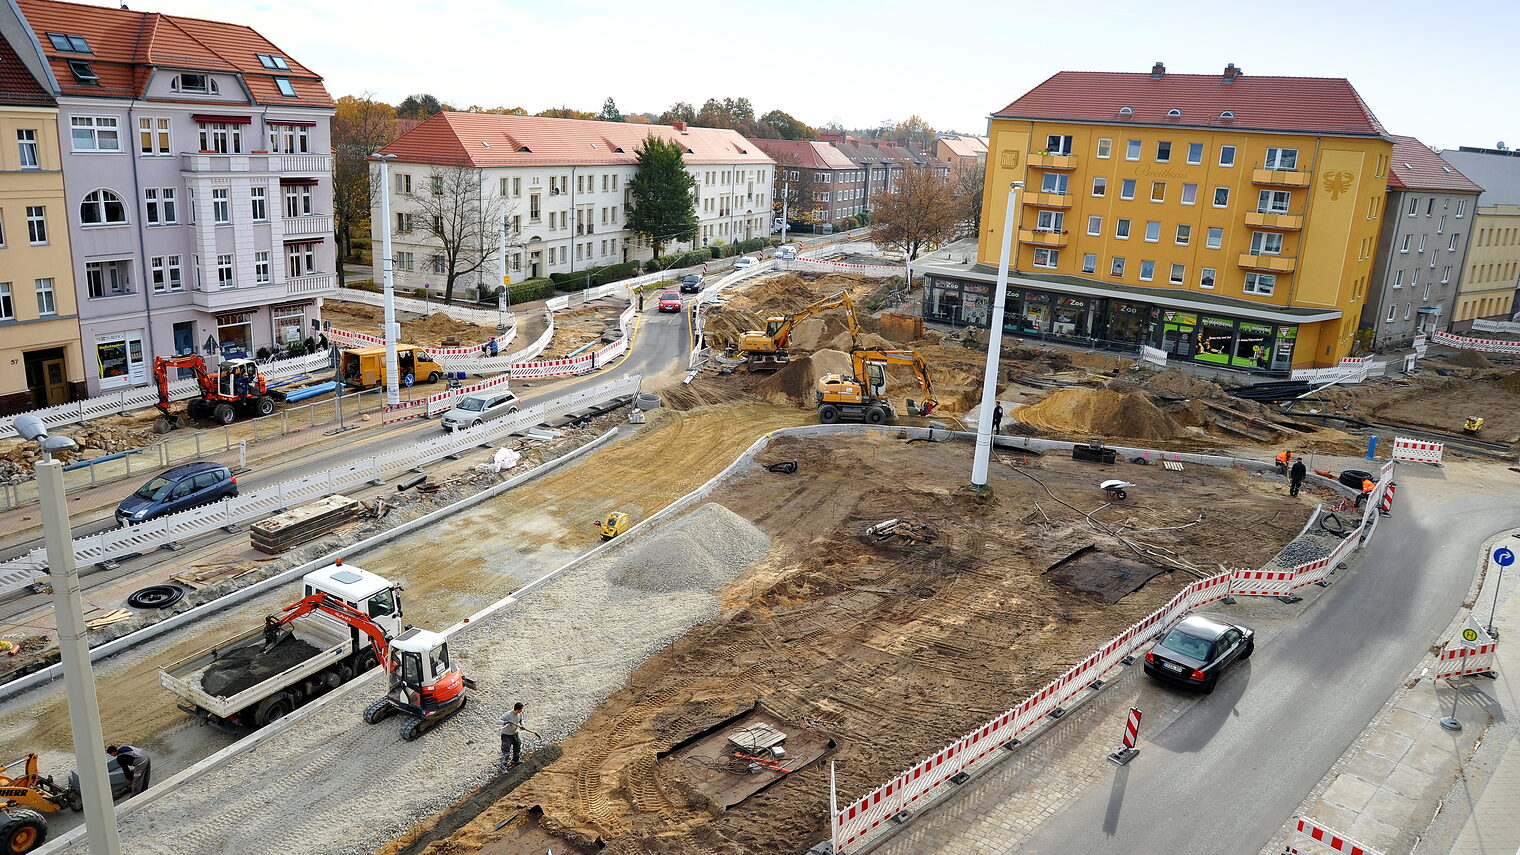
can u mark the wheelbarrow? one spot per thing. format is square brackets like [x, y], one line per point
[1115, 488]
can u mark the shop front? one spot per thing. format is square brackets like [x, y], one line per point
[234, 335]
[290, 322]
[120, 360]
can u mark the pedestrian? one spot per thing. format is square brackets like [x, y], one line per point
[322, 341]
[1367, 488]
[1296, 476]
[1282, 462]
[511, 743]
[136, 766]
[997, 418]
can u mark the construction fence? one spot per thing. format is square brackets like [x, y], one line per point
[1487, 345]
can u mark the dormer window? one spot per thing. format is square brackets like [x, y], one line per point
[72, 44]
[1174, 113]
[273, 60]
[84, 73]
[1126, 111]
[284, 86]
[198, 84]
[1227, 115]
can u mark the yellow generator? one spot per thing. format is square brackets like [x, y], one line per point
[615, 524]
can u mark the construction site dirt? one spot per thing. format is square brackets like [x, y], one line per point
[434, 330]
[890, 648]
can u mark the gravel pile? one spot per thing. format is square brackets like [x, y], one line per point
[347, 787]
[1300, 552]
[245, 668]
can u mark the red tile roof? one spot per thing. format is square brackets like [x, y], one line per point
[1416, 167]
[806, 154]
[489, 139]
[1324, 105]
[126, 45]
[17, 85]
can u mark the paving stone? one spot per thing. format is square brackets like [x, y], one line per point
[1431, 757]
[1407, 723]
[1389, 807]
[1408, 780]
[1372, 832]
[1389, 745]
[1350, 792]
[1370, 767]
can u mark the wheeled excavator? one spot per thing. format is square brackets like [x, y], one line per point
[238, 386]
[863, 396]
[765, 350]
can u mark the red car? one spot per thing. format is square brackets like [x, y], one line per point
[670, 301]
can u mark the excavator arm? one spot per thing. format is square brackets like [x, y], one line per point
[276, 626]
[912, 358]
[161, 366]
[778, 330]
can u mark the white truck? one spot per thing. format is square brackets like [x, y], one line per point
[255, 688]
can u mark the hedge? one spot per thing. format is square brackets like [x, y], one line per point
[531, 289]
[751, 245]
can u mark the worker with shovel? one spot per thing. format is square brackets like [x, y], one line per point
[1367, 488]
[1282, 462]
[511, 740]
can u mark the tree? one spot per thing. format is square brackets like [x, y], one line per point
[801, 192]
[914, 131]
[610, 111]
[360, 127]
[680, 111]
[500, 111]
[663, 207]
[566, 113]
[922, 212]
[638, 119]
[968, 184]
[459, 222]
[786, 127]
[419, 106]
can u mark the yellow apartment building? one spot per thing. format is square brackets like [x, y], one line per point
[40, 354]
[1225, 219]
[1493, 267]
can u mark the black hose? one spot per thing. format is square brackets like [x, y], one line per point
[156, 597]
[1338, 530]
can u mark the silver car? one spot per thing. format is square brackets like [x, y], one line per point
[473, 409]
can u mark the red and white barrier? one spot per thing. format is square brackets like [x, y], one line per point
[1407, 450]
[1462, 661]
[876, 270]
[1127, 750]
[1491, 345]
[1311, 838]
[1263, 583]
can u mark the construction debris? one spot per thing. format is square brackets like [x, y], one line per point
[308, 522]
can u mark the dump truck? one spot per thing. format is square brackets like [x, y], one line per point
[364, 367]
[237, 685]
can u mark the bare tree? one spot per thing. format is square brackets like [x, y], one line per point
[800, 192]
[968, 184]
[460, 220]
[921, 213]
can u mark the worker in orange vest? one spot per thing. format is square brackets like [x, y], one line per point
[1282, 462]
[1367, 488]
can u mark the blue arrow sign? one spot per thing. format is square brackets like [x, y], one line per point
[1504, 557]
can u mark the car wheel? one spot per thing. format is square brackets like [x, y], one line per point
[272, 709]
[512, 412]
[1250, 648]
[876, 415]
[264, 405]
[475, 424]
[434, 377]
[223, 414]
[1210, 683]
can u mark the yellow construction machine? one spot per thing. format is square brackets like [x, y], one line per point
[613, 525]
[1473, 426]
[765, 350]
[863, 396]
[24, 798]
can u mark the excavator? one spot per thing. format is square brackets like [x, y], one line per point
[765, 350]
[238, 387]
[425, 686]
[24, 799]
[862, 396]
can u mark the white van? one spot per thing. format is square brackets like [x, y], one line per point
[787, 252]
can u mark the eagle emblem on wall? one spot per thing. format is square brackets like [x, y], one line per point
[1337, 182]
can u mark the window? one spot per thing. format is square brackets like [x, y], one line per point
[1281, 158]
[1046, 257]
[1266, 243]
[1095, 225]
[1050, 221]
[1127, 188]
[1206, 277]
[221, 138]
[403, 184]
[83, 73]
[436, 182]
[166, 274]
[283, 84]
[195, 84]
[153, 137]
[257, 202]
[1189, 194]
[1152, 231]
[438, 222]
[221, 206]
[1422, 242]
[1461, 208]
[1179, 274]
[1054, 182]
[1414, 205]
[1158, 191]
[1195, 153]
[271, 60]
[1414, 278]
[1090, 262]
[1100, 186]
[108, 278]
[1132, 150]
[1260, 284]
[1221, 197]
[1398, 279]
[261, 268]
[45, 302]
[26, 143]
[1184, 234]
[1441, 224]
[36, 224]
[289, 139]
[72, 44]
[404, 260]
[1215, 238]
[1404, 244]
[1116, 266]
[1227, 155]
[1430, 206]
[2, 230]
[403, 222]
[224, 272]
[1393, 314]
[1452, 244]
[102, 208]
[95, 133]
[7, 306]
[1273, 201]
[1147, 271]
[302, 258]
[1163, 151]
[1408, 308]
[1121, 228]
[1105, 148]
[298, 200]
[159, 203]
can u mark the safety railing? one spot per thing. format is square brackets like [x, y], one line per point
[1488, 345]
[467, 314]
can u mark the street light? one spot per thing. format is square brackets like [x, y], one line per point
[392, 329]
[73, 646]
[994, 347]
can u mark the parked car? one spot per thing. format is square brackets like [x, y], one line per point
[1197, 651]
[691, 283]
[478, 407]
[670, 301]
[787, 251]
[746, 262]
[178, 489]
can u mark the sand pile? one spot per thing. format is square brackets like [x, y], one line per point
[1100, 413]
[688, 559]
[869, 341]
[814, 332]
[1510, 381]
[1180, 384]
[1470, 359]
[798, 380]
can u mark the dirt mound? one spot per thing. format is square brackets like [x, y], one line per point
[814, 333]
[796, 382]
[1470, 359]
[1180, 384]
[243, 669]
[1100, 412]
[1510, 381]
[431, 331]
[711, 543]
[866, 340]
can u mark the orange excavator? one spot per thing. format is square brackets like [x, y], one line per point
[238, 387]
[863, 396]
[425, 686]
[765, 350]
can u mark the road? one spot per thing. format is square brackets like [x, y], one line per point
[1227, 774]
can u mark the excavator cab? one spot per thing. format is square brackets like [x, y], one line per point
[239, 379]
[424, 685]
[773, 326]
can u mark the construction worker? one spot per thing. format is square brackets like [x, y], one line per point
[136, 765]
[1296, 476]
[997, 418]
[511, 742]
[1282, 462]
[1367, 487]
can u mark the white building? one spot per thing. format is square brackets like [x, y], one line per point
[562, 188]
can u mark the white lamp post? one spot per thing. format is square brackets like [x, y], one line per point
[73, 645]
[994, 346]
[392, 329]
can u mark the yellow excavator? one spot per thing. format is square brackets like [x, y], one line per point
[765, 350]
[862, 397]
[24, 797]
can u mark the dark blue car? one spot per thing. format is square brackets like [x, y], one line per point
[178, 489]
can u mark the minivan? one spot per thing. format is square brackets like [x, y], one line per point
[787, 252]
[178, 489]
[478, 407]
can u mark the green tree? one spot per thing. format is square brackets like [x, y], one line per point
[610, 112]
[680, 111]
[787, 127]
[663, 207]
[565, 113]
[419, 106]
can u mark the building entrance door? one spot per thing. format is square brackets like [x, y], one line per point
[46, 378]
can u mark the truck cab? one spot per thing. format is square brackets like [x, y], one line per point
[363, 591]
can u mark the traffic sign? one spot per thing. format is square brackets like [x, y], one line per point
[1504, 556]
[1472, 635]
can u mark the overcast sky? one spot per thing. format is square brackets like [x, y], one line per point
[1443, 73]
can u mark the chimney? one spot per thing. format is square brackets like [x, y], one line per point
[680, 126]
[1230, 73]
[1157, 70]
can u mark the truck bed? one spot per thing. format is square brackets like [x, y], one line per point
[331, 643]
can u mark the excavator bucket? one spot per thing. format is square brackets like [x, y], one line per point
[273, 635]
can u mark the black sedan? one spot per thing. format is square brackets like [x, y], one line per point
[691, 283]
[1197, 650]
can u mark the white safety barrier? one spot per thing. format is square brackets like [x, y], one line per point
[118, 542]
[425, 307]
[1311, 838]
[1481, 325]
[1153, 355]
[1489, 345]
[1352, 369]
[444, 355]
[1463, 661]
[873, 270]
[1417, 451]
[1262, 583]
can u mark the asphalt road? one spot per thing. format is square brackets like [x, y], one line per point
[1229, 772]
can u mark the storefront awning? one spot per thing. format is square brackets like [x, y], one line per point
[222, 120]
[234, 318]
[298, 182]
[296, 241]
[290, 122]
[295, 304]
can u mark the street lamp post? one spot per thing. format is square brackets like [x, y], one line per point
[786, 192]
[994, 346]
[392, 329]
[73, 645]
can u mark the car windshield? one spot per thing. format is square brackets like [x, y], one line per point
[670, 295]
[474, 405]
[692, 280]
[1188, 645]
[152, 488]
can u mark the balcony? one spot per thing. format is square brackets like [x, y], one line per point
[1273, 263]
[315, 285]
[1281, 177]
[314, 224]
[214, 299]
[1053, 161]
[1048, 200]
[1274, 220]
[306, 164]
[1039, 237]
